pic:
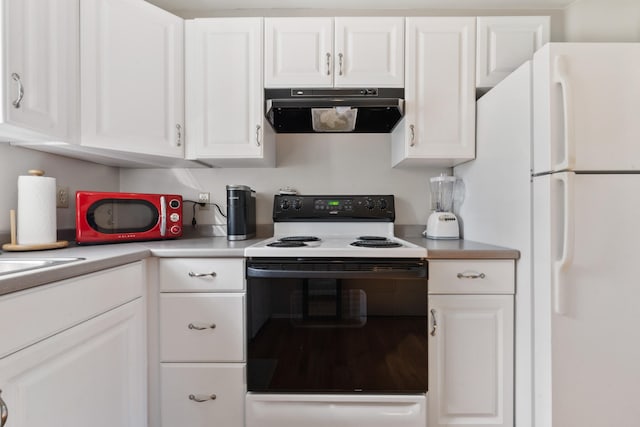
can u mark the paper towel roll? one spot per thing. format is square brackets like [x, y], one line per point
[36, 209]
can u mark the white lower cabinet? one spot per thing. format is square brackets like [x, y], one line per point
[471, 343]
[202, 394]
[201, 347]
[201, 327]
[91, 374]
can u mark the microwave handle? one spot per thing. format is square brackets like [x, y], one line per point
[163, 216]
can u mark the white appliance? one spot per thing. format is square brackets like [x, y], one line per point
[442, 223]
[330, 299]
[558, 177]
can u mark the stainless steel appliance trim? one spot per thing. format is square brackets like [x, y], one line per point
[163, 216]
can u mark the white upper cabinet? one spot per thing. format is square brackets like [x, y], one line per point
[340, 52]
[298, 52]
[505, 42]
[39, 70]
[224, 93]
[439, 123]
[132, 78]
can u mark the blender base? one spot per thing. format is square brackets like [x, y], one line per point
[442, 225]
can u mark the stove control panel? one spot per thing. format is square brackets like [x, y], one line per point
[290, 208]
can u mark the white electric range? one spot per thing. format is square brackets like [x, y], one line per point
[336, 317]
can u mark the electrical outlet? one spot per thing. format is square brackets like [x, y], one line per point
[62, 196]
[204, 198]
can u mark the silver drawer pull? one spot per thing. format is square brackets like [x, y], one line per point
[192, 274]
[202, 397]
[200, 327]
[471, 275]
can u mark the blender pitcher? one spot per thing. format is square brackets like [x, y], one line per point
[442, 223]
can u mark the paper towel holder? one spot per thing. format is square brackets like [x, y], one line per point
[14, 246]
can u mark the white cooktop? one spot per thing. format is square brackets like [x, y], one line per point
[335, 241]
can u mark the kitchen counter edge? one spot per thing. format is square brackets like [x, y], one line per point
[101, 257]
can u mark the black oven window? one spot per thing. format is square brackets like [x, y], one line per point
[114, 216]
[337, 335]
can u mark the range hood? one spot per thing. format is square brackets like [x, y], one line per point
[347, 110]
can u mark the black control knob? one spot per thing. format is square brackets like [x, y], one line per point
[369, 204]
[297, 204]
[383, 204]
[284, 204]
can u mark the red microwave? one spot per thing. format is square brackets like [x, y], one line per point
[104, 217]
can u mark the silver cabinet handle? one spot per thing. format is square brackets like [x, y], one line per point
[340, 56]
[16, 78]
[258, 127]
[178, 135]
[4, 411]
[212, 274]
[201, 328]
[202, 397]
[412, 136]
[434, 323]
[471, 275]
[328, 64]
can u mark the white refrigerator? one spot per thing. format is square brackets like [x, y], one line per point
[557, 176]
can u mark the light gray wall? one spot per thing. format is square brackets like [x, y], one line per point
[76, 174]
[603, 21]
[312, 164]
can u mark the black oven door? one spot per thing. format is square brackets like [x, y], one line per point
[337, 326]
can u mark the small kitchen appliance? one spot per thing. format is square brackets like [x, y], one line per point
[241, 212]
[106, 217]
[442, 223]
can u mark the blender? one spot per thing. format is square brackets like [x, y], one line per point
[442, 223]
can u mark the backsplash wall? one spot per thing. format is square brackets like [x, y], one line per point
[311, 164]
[75, 174]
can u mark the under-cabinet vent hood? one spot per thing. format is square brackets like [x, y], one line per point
[360, 110]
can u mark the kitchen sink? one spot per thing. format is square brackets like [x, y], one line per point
[14, 265]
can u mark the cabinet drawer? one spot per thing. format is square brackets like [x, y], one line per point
[202, 381]
[471, 277]
[201, 274]
[202, 327]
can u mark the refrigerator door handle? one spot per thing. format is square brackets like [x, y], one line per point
[568, 227]
[561, 77]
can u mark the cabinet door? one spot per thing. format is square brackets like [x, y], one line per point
[471, 360]
[132, 77]
[93, 374]
[298, 52]
[505, 42]
[203, 394]
[224, 92]
[369, 52]
[41, 70]
[439, 123]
